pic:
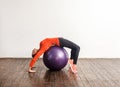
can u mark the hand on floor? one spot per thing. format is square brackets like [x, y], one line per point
[31, 71]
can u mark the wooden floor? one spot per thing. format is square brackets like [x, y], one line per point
[91, 73]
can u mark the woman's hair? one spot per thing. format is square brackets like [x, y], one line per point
[35, 53]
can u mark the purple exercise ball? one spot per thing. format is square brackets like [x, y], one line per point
[55, 58]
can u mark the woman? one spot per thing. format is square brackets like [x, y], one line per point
[61, 42]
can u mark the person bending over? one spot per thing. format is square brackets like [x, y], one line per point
[61, 42]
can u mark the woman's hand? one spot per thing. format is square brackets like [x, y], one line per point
[30, 70]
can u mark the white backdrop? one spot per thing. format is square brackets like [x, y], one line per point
[93, 24]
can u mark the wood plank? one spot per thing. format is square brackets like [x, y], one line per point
[91, 73]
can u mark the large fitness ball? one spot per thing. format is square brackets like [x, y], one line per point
[55, 58]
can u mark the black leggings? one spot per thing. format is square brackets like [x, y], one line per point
[74, 48]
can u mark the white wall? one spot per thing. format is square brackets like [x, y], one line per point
[93, 24]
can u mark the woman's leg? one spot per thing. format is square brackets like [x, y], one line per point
[74, 48]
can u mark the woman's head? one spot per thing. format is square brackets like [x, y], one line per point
[34, 52]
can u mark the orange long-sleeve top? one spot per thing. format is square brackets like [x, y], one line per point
[44, 45]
